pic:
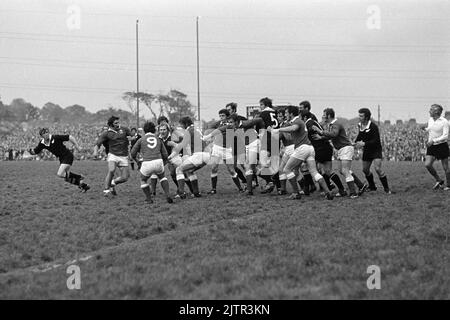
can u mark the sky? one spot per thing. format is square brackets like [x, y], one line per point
[340, 54]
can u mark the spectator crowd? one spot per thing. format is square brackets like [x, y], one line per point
[401, 142]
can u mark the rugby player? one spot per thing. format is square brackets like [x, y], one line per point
[222, 153]
[303, 152]
[54, 144]
[117, 138]
[369, 139]
[134, 138]
[437, 145]
[198, 156]
[324, 152]
[338, 136]
[154, 155]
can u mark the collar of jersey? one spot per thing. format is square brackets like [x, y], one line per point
[366, 127]
[49, 141]
[268, 109]
[332, 122]
[295, 118]
[109, 129]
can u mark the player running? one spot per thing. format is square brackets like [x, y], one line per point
[336, 133]
[303, 152]
[154, 156]
[369, 139]
[437, 145]
[54, 144]
[117, 138]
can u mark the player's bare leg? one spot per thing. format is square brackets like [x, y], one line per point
[291, 165]
[312, 168]
[214, 173]
[165, 186]
[429, 161]
[146, 189]
[444, 163]
[124, 175]
[153, 183]
[234, 175]
[382, 175]
[109, 177]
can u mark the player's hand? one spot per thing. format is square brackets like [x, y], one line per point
[171, 156]
[207, 137]
[429, 143]
[275, 131]
[171, 144]
[360, 144]
[315, 136]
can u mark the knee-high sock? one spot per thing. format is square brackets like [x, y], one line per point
[327, 180]
[132, 164]
[146, 189]
[283, 180]
[385, 184]
[447, 176]
[213, 181]
[73, 178]
[165, 186]
[240, 175]
[236, 181]
[153, 183]
[181, 181]
[337, 181]
[194, 183]
[358, 182]
[249, 178]
[293, 181]
[309, 180]
[371, 181]
[189, 184]
[276, 180]
[174, 178]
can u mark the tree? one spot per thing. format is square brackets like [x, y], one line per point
[23, 110]
[146, 98]
[52, 112]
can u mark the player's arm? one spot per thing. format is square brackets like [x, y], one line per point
[74, 143]
[176, 150]
[333, 133]
[37, 150]
[288, 129]
[216, 132]
[164, 153]
[134, 151]
[102, 139]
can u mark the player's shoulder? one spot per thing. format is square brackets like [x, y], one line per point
[63, 137]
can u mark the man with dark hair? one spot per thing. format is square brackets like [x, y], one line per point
[303, 152]
[306, 106]
[54, 144]
[338, 136]
[154, 156]
[437, 145]
[369, 139]
[117, 138]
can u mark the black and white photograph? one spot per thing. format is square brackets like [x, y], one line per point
[249, 151]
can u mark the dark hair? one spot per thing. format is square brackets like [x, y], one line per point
[149, 127]
[186, 121]
[232, 105]
[234, 117]
[111, 120]
[43, 130]
[306, 105]
[329, 112]
[133, 129]
[161, 119]
[280, 110]
[366, 113]
[225, 112]
[293, 110]
[266, 102]
[305, 114]
[439, 107]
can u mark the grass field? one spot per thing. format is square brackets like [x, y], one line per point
[224, 246]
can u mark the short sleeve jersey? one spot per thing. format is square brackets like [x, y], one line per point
[299, 136]
[151, 147]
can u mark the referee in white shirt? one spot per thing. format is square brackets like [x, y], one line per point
[437, 145]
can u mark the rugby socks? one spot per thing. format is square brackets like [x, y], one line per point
[337, 181]
[309, 182]
[385, 184]
[327, 180]
[371, 182]
[276, 180]
[293, 181]
[165, 186]
[249, 180]
[236, 181]
[266, 177]
[153, 183]
[240, 175]
[358, 182]
[213, 181]
[73, 178]
[181, 181]
[351, 187]
[447, 175]
[174, 178]
[194, 183]
[146, 189]
[283, 180]
[132, 165]
[189, 184]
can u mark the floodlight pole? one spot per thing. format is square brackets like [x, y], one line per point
[137, 73]
[198, 74]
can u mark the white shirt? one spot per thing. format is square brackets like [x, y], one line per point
[437, 130]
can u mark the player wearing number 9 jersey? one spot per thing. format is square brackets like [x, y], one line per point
[154, 156]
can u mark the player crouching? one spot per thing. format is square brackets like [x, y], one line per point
[154, 156]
